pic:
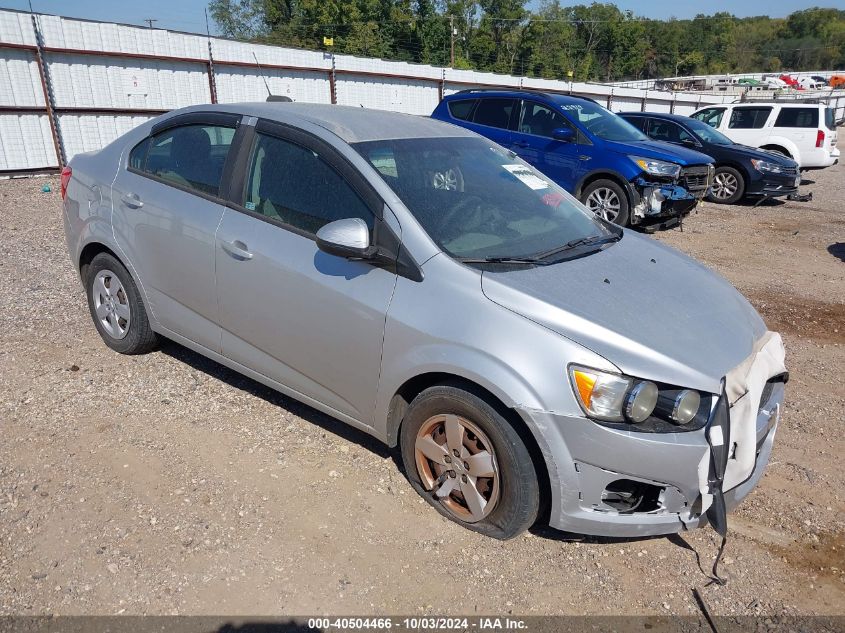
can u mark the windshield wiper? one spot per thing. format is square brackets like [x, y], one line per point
[592, 240]
[498, 260]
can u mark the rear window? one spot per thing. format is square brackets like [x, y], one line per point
[748, 118]
[798, 117]
[461, 109]
[494, 112]
[829, 120]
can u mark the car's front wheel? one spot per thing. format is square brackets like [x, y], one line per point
[116, 306]
[728, 186]
[607, 199]
[469, 462]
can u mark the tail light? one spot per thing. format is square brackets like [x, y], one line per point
[820, 138]
[66, 174]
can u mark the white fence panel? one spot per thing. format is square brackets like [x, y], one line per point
[20, 84]
[236, 84]
[25, 142]
[114, 82]
[399, 95]
[86, 133]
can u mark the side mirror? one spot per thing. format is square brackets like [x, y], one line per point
[348, 238]
[565, 134]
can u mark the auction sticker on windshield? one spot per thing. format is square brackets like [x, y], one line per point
[525, 175]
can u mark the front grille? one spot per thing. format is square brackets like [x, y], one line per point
[697, 178]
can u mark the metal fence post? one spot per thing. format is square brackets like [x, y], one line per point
[49, 100]
[332, 83]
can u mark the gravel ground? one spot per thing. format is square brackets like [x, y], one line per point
[167, 484]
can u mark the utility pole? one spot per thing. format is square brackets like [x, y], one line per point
[149, 22]
[452, 39]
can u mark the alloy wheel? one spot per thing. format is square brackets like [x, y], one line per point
[605, 203]
[111, 304]
[724, 186]
[457, 464]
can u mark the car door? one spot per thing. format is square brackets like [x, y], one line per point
[167, 205]
[492, 118]
[532, 140]
[311, 321]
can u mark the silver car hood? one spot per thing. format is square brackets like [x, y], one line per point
[648, 309]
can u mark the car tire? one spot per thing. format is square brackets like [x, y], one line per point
[116, 306]
[607, 199]
[502, 505]
[728, 186]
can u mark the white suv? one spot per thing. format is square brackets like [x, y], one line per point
[806, 132]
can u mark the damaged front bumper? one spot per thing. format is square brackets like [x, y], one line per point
[656, 199]
[610, 482]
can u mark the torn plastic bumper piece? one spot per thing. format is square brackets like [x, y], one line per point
[659, 199]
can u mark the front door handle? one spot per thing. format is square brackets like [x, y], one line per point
[236, 249]
[132, 201]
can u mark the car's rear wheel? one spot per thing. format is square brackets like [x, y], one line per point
[607, 200]
[116, 306]
[728, 186]
[469, 462]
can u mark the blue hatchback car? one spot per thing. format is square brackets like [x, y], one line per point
[613, 168]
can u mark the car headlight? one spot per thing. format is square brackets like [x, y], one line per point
[766, 167]
[617, 398]
[657, 167]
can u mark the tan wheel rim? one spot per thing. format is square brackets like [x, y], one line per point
[457, 464]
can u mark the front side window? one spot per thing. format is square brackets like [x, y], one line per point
[539, 120]
[707, 133]
[293, 185]
[191, 156]
[748, 118]
[602, 122]
[494, 112]
[477, 200]
[710, 116]
[798, 117]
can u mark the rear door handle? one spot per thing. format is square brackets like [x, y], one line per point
[521, 144]
[236, 249]
[132, 201]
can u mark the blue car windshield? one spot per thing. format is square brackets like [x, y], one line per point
[707, 133]
[602, 122]
[479, 201]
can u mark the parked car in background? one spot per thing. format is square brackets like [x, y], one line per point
[821, 81]
[790, 82]
[805, 132]
[525, 355]
[837, 81]
[774, 82]
[810, 83]
[613, 168]
[741, 171]
[748, 81]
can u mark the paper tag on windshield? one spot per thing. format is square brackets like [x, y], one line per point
[525, 175]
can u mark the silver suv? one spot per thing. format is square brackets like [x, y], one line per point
[421, 283]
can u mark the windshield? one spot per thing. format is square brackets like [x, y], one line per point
[479, 201]
[602, 122]
[707, 133]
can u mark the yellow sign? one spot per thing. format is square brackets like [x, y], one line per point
[328, 41]
[569, 74]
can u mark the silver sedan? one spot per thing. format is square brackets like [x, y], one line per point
[421, 283]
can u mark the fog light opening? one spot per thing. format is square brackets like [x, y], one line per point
[627, 496]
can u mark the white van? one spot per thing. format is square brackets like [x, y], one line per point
[806, 132]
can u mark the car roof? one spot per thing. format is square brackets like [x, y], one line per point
[353, 125]
[473, 93]
[657, 115]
